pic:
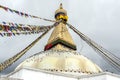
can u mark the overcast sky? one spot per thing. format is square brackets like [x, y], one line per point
[98, 19]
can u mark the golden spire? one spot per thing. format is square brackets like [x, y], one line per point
[61, 6]
[60, 38]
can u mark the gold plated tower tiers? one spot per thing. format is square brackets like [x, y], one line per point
[60, 38]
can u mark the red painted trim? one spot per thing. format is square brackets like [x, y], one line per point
[48, 46]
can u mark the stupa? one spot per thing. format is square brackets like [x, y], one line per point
[59, 60]
[60, 53]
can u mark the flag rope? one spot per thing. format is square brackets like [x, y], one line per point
[24, 14]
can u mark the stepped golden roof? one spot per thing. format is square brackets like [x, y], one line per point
[61, 33]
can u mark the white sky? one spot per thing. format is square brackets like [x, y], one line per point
[98, 19]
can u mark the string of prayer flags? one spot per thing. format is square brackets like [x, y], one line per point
[24, 14]
[8, 34]
[12, 29]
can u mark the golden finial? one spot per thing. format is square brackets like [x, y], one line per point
[61, 13]
[61, 7]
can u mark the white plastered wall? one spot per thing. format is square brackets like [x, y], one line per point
[31, 74]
